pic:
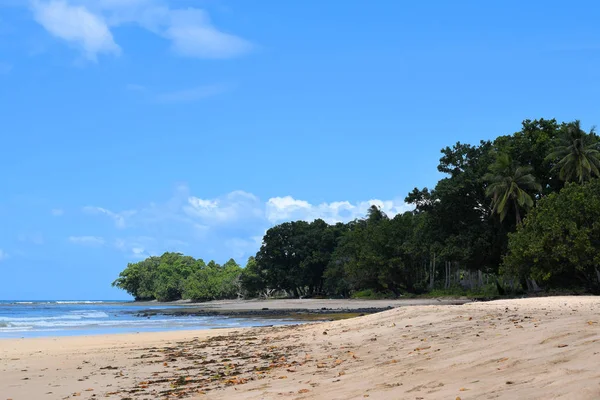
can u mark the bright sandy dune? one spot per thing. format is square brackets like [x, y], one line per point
[539, 348]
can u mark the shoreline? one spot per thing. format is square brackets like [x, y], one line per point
[274, 308]
[532, 348]
[222, 314]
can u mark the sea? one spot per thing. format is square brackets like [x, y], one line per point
[25, 319]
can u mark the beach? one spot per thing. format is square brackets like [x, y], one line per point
[535, 348]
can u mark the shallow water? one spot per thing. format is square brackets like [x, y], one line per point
[90, 317]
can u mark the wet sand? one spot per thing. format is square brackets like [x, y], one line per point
[539, 348]
[319, 309]
[310, 304]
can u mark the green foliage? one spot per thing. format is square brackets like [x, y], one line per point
[294, 256]
[486, 292]
[253, 279]
[462, 228]
[370, 294]
[577, 154]
[559, 242]
[139, 279]
[373, 255]
[510, 186]
[174, 276]
[531, 146]
[214, 282]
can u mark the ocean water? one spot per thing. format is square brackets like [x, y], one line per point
[90, 317]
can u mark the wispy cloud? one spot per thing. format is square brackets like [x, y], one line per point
[120, 218]
[137, 247]
[194, 36]
[192, 94]
[77, 25]
[236, 206]
[231, 225]
[57, 212]
[3, 255]
[287, 208]
[87, 240]
[88, 24]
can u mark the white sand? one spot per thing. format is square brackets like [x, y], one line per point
[540, 348]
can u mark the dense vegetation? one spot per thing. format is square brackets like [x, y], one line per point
[521, 212]
[174, 276]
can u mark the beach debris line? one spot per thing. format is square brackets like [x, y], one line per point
[188, 368]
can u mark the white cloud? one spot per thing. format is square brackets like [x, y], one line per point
[280, 209]
[88, 23]
[201, 204]
[141, 247]
[76, 25]
[3, 255]
[194, 36]
[119, 218]
[233, 207]
[231, 225]
[87, 240]
[57, 212]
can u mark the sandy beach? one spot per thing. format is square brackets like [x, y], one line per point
[537, 348]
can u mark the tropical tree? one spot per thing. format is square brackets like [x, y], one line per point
[509, 186]
[559, 242]
[577, 154]
[531, 146]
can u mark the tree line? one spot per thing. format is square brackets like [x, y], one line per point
[520, 212]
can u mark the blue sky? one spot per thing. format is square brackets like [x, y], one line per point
[132, 127]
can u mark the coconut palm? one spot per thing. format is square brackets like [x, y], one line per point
[577, 155]
[510, 186]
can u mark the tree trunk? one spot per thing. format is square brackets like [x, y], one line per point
[448, 274]
[480, 276]
[471, 284]
[445, 275]
[517, 213]
[432, 273]
[457, 278]
[532, 285]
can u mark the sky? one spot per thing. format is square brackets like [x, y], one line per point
[134, 127]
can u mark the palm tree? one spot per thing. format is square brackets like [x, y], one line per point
[577, 154]
[509, 186]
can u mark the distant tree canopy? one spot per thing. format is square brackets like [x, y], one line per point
[174, 276]
[509, 214]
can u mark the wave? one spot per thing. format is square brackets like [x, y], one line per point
[4, 302]
[75, 324]
[72, 316]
